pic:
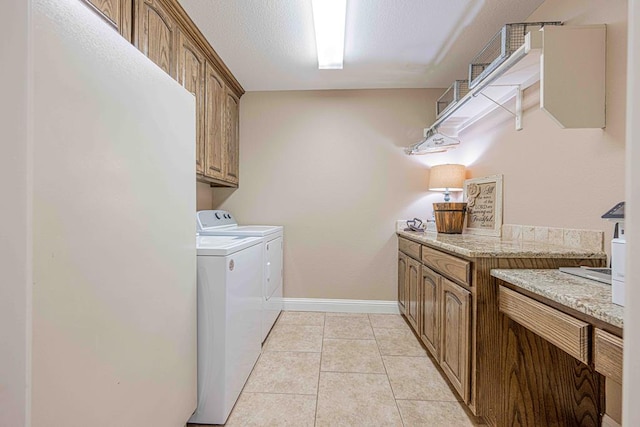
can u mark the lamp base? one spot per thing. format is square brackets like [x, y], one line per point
[449, 217]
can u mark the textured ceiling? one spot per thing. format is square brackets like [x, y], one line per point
[270, 44]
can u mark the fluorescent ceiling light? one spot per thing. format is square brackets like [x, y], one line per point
[329, 21]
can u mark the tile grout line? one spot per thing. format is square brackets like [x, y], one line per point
[278, 392]
[433, 400]
[404, 355]
[315, 416]
[356, 373]
[388, 379]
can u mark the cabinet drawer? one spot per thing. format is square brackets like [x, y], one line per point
[410, 248]
[560, 329]
[454, 268]
[607, 355]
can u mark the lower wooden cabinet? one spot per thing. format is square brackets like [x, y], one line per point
[413, 278]
[429, 302]
[454, 360]
[546, 364]
[402, 282]
[459, 321]
[607, 354]
[409, 277]
[444, 326]
[439, 311]
[560, 329]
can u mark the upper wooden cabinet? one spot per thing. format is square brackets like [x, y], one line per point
[214, 141]
[116, 12]
[164, 33]
[232, 138]
[191, 75]
[155, 34]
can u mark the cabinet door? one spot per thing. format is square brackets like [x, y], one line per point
[429, 295]
[402, 281]
[214, 142]
[413, 278]
[191, 69]
[117, 13]
[232, 138]
[455, 336]
[155, 34]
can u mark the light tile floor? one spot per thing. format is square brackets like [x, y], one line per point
[340, 369]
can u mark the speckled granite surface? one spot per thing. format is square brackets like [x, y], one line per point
[481, 246]
[583, 295]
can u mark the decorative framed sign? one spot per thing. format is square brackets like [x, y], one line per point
[484, 205]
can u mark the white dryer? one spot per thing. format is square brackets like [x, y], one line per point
[229, 319]
[222, 223]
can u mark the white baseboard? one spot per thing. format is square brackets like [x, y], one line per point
[341, 305]
[607, 421]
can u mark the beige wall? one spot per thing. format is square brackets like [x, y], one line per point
[114, 262]
[204, 196]
[553, 176]
[329, 166]
[631, 377]
[15, 262]
[561, 177]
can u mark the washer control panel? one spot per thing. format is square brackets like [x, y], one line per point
[213, 218]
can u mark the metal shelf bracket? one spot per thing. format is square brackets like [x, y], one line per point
[518, 112]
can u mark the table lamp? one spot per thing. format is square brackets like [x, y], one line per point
[446, 178]
[449, 216]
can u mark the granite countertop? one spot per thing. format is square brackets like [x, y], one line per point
[473, 246]
[583, 295]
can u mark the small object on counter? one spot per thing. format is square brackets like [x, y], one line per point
[449, 217]
[415, 224]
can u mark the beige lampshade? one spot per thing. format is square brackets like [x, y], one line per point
[446, 177]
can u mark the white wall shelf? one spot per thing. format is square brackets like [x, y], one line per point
[569, 62]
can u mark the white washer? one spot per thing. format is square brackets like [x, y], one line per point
[222, 223]
[229, 318]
